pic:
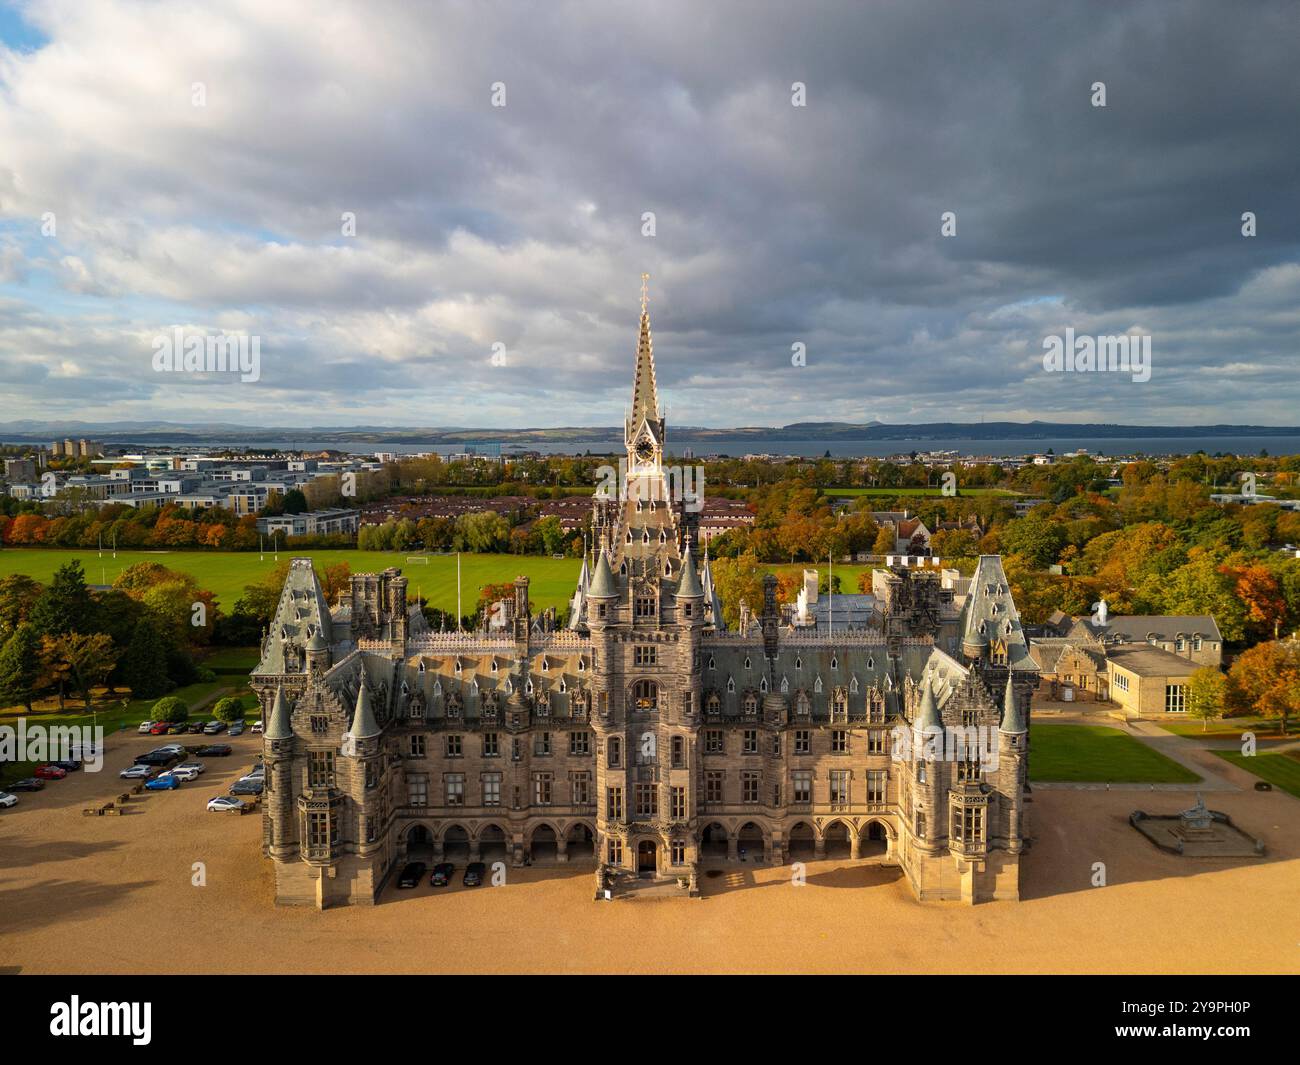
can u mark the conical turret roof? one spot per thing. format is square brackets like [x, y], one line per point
[603, 585]
[279, 727]
[928, 715]
[364, 725]
[1013, 720]
[689, 585]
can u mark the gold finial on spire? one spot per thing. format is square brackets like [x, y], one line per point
[645, 295]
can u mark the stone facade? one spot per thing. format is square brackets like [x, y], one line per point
[647, 737]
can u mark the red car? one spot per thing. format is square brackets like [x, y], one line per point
[159, 729]
[49, 772]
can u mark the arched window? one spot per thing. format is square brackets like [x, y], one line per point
[802, 705]
[645, 695]
[713, 705]
[751, 703]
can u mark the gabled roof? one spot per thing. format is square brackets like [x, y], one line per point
[1165, 627]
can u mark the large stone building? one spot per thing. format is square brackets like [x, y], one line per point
[647, 737]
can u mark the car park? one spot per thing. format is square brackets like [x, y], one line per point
[49, 772]
[145, 726]
[442, 873]
[214, 750]
[474, 874]
[213, 727]
[27, 784]
[225, 804]
[137, 772]
[411, 875]
[247, 786]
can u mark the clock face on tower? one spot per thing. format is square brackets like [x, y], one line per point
[645, 451]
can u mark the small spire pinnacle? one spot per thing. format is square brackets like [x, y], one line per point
[645, 291]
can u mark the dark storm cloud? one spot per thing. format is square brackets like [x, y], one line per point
[775, 224]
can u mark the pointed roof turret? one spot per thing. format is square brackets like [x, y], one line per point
[1013, 719]
[279, 727]
[602, 584]
[689, 585]
[928, 715]
[364, 725]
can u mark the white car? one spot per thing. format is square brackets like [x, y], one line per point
[197, 767]
[6, 799]
[145, 726]
[137, 772]
[181, 773]
[256, 728]
[225, 803]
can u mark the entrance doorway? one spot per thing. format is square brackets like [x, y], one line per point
[646, 858]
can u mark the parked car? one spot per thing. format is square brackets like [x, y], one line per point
[161, 759]
[69, 764]
[27, 784]
[225, 804]
[213, 727]
[474, 874]
[247, 786]
[160, 728]
[237, 729]
[145, 726]
[214, 750]
[8, 800]
[411, 875]
[256, 730]
[195, 727]
[258, 770]
[136, 772]
[49, 772]
[163, 782]
[181, 773]
[442, 874]
[198, 767]
[176, 748]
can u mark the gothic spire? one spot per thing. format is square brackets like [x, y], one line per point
[645, 396]
[278, 727]
[364, 725]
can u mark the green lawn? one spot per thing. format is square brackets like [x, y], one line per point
[1228, 727]
[916, 492]
[225, 573]
[1281, 770]
[1097, 753]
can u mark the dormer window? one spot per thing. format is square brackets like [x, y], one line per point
[747, 662]
[493, 667]
[421, 669]
[731, 684]
[835, 662]
[712, 664]
[546, 665]
[817, 685]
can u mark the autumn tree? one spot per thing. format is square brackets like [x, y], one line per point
[1206, 692]
[1265, 679]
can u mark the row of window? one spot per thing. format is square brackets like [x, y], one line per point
[453, 789]
[453, 746]
[645, 797]
[715, 741]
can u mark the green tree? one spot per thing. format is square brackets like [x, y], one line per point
[170, 709]
[20, 667]
[1206, 690]
[144, 665]
[18, 595]
[228, 710]
[66, 605]
[885, 540]
[295, 502]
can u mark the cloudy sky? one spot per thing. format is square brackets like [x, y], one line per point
[168, 164]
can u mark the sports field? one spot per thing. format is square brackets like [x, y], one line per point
[225, 573]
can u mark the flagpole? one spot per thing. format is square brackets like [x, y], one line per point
[458, 591]
[830, 593]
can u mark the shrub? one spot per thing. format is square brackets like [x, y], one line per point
[170, 709]
[228, 709]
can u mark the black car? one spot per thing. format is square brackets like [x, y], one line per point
[474, 874]
[70, 764]
[195, 726]
[246, 787]
[214, 750]
[442, 874]
[26, 784]
[157, 758]
[411, 875]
